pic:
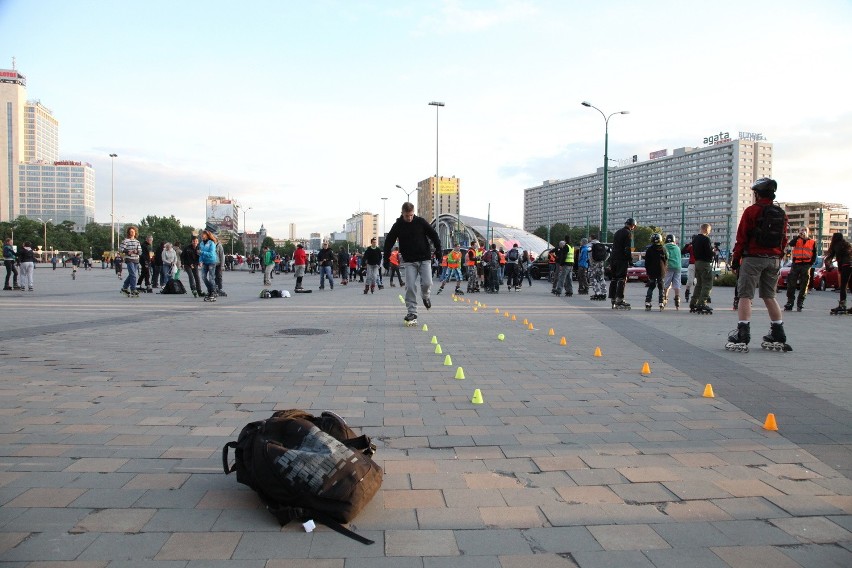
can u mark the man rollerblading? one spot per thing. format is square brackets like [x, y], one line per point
[701, 309]
[739, 338]
[619, 261]
[620, 305]
[648, 306]
[788, 307]
[840, 310]
[756, 259]
[803, 252]
[414, 235]
[840, 250]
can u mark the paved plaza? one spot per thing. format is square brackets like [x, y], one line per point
[114, 411]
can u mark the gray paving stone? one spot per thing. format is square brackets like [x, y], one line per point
[111, 546]
[495, 541]
[693, 557]
[49, 546]
[753, 533]
[560, 540]
[265, 545]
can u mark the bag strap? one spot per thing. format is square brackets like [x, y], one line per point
[287, 514]
[228, 469]
[362, 443]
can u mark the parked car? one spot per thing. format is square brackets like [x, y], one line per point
[637, 272]
[828, 278]
[783, 274]
[541, 269]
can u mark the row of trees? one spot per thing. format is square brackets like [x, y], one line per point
[558, 232]
[95, 239]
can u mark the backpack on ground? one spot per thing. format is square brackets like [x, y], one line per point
[306, 467]
[598, 252]
[769, 230]
[275, 293]
[173, 287]
[265, 294]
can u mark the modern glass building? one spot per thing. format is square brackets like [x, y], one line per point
[675, 192]
[62, 191]
[464, 230]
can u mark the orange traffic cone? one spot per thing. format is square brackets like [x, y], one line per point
[770, 423]
[708, 391]
[563, 341]
[598, 352]
[646, 368]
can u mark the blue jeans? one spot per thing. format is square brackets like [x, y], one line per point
[208, 275]
[132, 276]
[325, 272]
[165, 274]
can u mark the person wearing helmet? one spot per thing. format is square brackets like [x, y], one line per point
[673, 270]
[656, 261]
[619, 260]
[760, 244]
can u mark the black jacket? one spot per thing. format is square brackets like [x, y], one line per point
[325, 257]
[189, 256]
[372, 256]
[655, 261]
[702, 248]
[621, 252]
[414, 238]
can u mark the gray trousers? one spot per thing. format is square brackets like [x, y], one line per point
[413, 270]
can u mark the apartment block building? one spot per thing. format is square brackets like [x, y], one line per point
[821, 219]
[448, 197]
[361, 227]
[676, 192]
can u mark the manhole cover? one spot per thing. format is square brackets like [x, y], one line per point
[303, 331]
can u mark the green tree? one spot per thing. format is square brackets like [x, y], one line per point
[165, 229]
[267, 242]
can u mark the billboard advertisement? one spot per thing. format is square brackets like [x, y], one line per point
[222, 215]
[448, 186]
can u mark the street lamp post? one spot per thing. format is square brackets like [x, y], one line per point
[245, 230]
[437, 105]
[112, 212]
[45, 235]
[407, 193]
[384, 213]
[604, 219]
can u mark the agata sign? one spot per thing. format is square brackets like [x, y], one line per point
[721, 138]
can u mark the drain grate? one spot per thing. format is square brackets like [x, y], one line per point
[303, 331]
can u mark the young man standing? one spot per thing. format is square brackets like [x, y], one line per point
[804, 253]
[702, 251]
[414, 235]
[619, 261]
[673, 270]
[300, 263]
[9, 261]
[372, 262]
[325, 258]
[131, 249]
[761, 239]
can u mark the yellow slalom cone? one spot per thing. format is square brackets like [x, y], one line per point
[475, 308]
[551, 332]
[425, 327]
[646, 368]
[770, 423]
[598, 352]
[514, 318]
[434, 340]
[438, 349]
[530, 326]
[460, 373]
[708, 391]
[477, 397]
[496, 310]
[448, 362]
[468, 300]
[505, 314]
[455, 299]
[563, 341]
[525, 321]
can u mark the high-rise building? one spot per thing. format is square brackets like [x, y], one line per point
[448, 197]
[677, 193]
[820, 218]
[34, 182]
[361, 227]
[292, 233]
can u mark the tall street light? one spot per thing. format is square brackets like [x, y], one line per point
[437, 105]
[384, 213]
[604, 219]
[245, 230]
[112, 213]
[407, 193]
[45, 235]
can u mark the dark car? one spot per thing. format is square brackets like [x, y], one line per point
[541, 268]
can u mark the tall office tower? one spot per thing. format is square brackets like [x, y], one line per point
[292, 233]
[448, 197]
[13, 98]
[677, 193]
[34, 182]
[361, 227]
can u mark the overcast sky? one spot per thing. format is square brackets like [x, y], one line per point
[308, 111]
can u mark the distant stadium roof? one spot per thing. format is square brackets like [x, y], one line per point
[464, 229]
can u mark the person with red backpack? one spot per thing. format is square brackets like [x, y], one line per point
[761, 240]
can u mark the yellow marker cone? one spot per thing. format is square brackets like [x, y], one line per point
[460, 373]
[468, 301]
[598, 352]
[770, 423]
[434, 340]
[448, 361]
[563, 341]
[708, 391]
[438, 349]
[477, 397]
[514, 318]
[505, 314]
[425, 327]
[551, 332]
[496, 310]
[401, 298]
[646, 368]
[525, 321]
[455, 299]
[530, 327]
[475, 308]
[501, 337]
